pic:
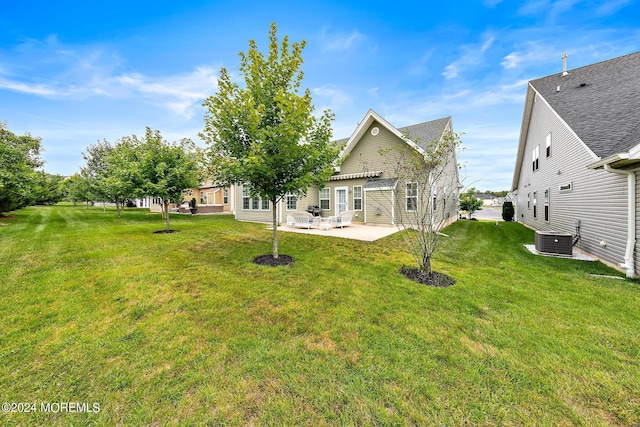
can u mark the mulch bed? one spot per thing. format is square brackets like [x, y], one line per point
[435, 279]
[269, 260]
[165, 231]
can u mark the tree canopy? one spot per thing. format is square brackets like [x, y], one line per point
[19, 162]
[265, 135]
[166, 170]
[469, 202]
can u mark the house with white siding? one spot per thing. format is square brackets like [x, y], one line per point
[364, 182]
[578, 158]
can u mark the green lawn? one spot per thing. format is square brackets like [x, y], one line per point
[183, 329]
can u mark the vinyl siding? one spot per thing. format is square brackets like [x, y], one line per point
[378, 201]
[597, 198]
[366, 156]
[253, 215]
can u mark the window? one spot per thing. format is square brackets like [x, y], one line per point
[325, 198]
[528, 200]
[546, 205]
[357, 198]
[548, 149]
[535, 204]
[435, 201]
[536, 158]
[225, 196]
[412, 196]
[249, 203]
[202, 197]
[245, 198]
[292, 202]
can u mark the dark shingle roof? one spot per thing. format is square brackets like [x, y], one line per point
[425, 132]
[600, 102]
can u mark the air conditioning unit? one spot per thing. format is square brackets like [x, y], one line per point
[554, 242]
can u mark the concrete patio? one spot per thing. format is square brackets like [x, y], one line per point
[367, 233]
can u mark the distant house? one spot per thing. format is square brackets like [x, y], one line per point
[364, 183]
[578, 155]
[211, 197]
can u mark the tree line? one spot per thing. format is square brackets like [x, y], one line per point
[23, 182]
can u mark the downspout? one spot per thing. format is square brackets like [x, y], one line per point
[629, 264]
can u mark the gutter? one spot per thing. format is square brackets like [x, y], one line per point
[629, 264]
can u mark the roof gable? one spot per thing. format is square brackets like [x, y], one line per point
[423, 133]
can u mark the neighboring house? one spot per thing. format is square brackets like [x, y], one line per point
[490, 199]
[364, 183]
[211, 197]
[578, 155]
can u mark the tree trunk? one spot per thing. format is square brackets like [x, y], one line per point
[166, 213]
[275, 229]
[425, 267]
[117, 208]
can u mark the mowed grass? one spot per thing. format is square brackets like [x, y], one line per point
[183, 329]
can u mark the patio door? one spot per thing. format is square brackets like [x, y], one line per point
[341, 200]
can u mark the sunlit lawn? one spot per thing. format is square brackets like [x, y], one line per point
[184, 329]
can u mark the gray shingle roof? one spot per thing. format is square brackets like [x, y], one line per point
[600, 102]
[425, 132]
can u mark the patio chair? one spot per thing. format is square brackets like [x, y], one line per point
[291, 221]
[305, 220]
[343, 220]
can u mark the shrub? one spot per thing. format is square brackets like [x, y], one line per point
[507, 211]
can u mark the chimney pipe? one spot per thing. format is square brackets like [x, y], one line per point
[564, 64]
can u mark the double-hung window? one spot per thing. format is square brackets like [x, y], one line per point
[292, 202]
[546, 205]
[412, 196]
[357, 198]
[325, 199]
[548, 145]
[536, 158]
[245, 198]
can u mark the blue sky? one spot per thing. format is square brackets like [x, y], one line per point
[76, 72]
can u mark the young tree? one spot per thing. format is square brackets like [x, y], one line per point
[166, 169]
[427, 193]
[265, 135]
[75, 188]
[469, 202]
[19, 159]
[111, 171]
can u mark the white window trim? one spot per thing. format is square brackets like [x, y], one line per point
[358, 198]
[406, 205]
[328, 198]
[286, 202]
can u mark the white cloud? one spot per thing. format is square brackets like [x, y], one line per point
[472, 55]
[341, 41]
[333, 98]
[179, 93]
[30, 89]
[50, 69]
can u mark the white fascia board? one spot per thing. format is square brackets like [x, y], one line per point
[364, 124]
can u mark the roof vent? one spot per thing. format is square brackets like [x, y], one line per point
[564, 64]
